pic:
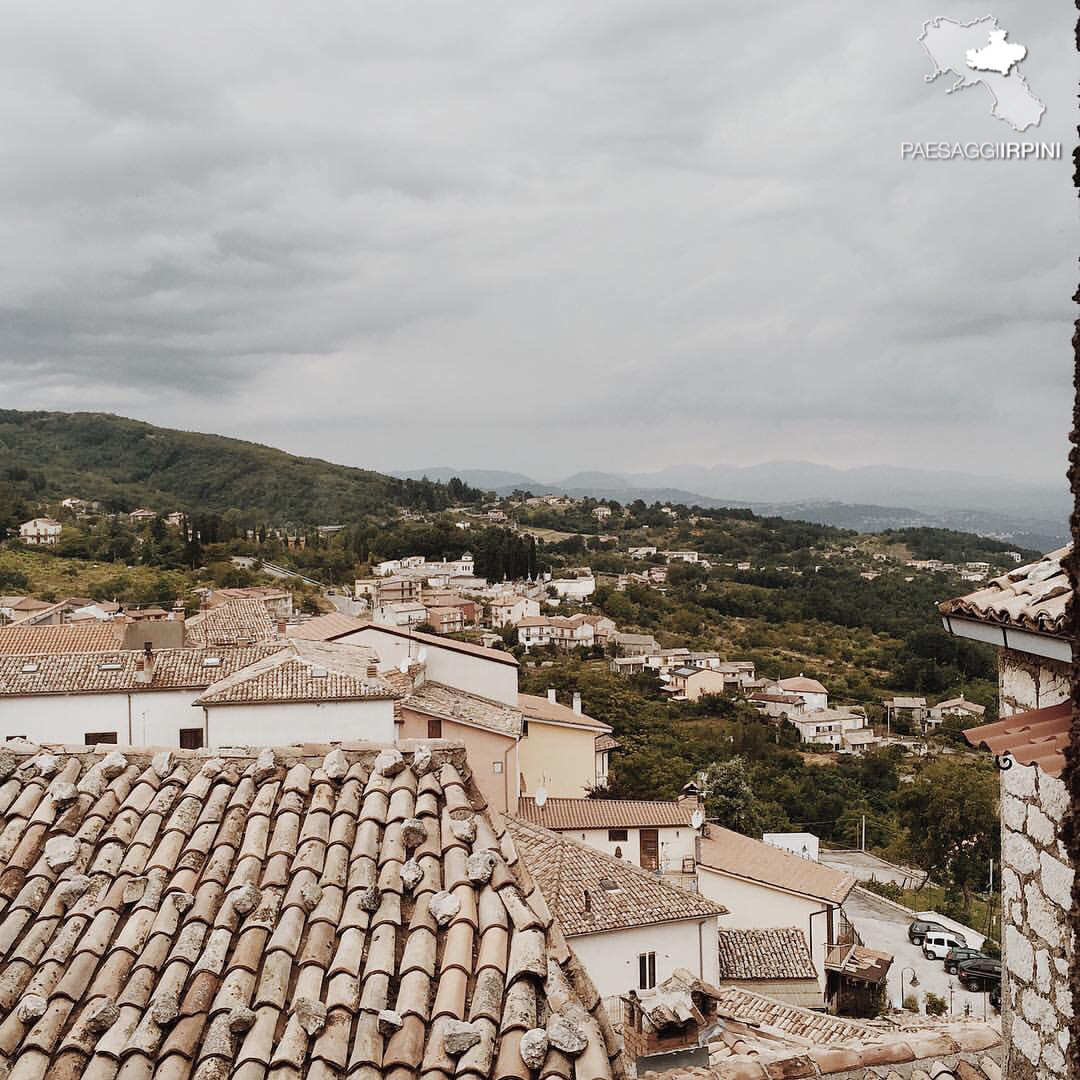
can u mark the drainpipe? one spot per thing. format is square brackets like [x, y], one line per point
[506, 777]
[810, 923]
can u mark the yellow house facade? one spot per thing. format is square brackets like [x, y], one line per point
[557, 751]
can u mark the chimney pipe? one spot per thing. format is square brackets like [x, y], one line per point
[551, 696]
[577, 702]
[144, 666]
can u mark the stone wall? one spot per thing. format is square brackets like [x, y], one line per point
[1037, 946]
[1028, 682]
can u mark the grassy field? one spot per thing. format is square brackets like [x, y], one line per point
[49, 577]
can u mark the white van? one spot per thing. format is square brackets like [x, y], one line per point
[937, 943]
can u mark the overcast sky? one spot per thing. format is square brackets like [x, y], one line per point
[537, 236]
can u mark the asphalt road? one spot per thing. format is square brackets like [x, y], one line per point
[882, 926]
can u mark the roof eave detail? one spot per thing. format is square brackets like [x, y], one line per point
[1006, 636]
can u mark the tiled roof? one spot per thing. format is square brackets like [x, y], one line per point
[859, 962]
[759, 1038]
[591, 893]
[961, 703]
[448, 702]
[119, 671]
[779, 953]
[286, 915]
[65, 638]
[303, 671]
[1038, 737]
[606, 742]
[539, 708]
[732, 853]
[606, 813]
[331, 626]
[1032, 597]
[248, 592]
[779, 699]
[325, 627]
[236, 622]
[802, 685]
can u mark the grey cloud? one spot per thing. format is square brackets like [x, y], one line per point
[616, 235]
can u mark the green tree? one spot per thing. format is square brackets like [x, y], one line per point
[729, 798]
[950, 813]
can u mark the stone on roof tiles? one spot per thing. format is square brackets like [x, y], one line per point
[223, 927]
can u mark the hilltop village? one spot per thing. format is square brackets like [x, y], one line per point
[526, 786]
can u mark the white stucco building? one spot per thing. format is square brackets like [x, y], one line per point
[630, 928]
[40, 532]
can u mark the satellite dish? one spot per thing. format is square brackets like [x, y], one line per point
[696, 819]
[541, 797]
[403, 667]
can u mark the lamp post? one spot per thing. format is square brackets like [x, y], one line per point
[914, 982]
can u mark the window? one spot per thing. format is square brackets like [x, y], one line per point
[617, 834]
[94, 737]
[497, 767]
[524, 725]
[434, 727]
[646, 963]
[191, 738]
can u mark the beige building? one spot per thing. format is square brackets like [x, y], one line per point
[558, 746]
[40, 532]
[691, 683]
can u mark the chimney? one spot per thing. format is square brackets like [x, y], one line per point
[588, 901]
[144, 666]
[577, 702]
[551, 696]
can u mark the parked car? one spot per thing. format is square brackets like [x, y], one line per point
[980, 973]
[939, 943]
[919, 929]
[954, 956]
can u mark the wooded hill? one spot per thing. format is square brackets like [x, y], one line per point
[47, 456]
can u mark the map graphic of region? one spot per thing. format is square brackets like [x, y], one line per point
[978, 52]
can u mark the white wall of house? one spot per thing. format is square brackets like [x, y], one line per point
[755, 905]
[152, 717]
[1026, 682]
[611, 958]
[282, 724]
[155, 718]
[476, 674]
[675, 845]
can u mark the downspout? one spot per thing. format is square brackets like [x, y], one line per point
[810, 924]
[130, 739]
[506, 776]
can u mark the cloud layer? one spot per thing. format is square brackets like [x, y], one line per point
[545, 237]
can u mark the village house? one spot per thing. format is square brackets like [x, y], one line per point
[911, 711]
[690, 683]
[240, 621]
[1025, 613]
[635, 644]
[17, 608]
[958, 707]
[508, 609]
[323, 886]
[763, 888]
[576, 588]
[739, 675]
[561, 631]
[841, 728]
[681, 556]
[278, 602]
[815, 696]
[774, 961]
[558, 746]
[141, 515]
[642, 552]
[403, 613]
[601, 513]
[776, 705]
[40, 532]
[657, 836]
[629, 928]
[603, 746]
[627, 665]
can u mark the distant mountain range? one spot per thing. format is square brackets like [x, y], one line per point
[869, 499]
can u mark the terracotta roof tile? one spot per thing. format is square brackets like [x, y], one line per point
[203, 917]
[1033, 597]
[590, 892]
[78, 637]
[732, 853]
[119, 671]
[1038, 737]
[236, 622]
[779, 953]
[566, 813]
[449, 703]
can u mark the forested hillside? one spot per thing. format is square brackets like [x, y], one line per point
[126, 463]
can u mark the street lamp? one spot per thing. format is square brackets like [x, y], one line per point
[914, 982]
